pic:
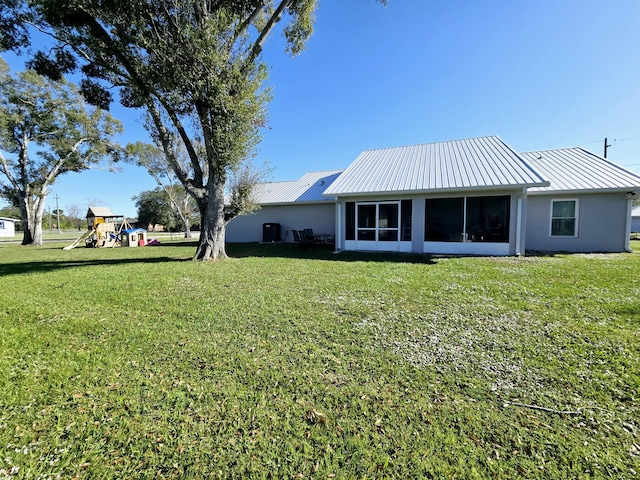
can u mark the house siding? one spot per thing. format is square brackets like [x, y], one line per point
[602, 222]
[248, 228]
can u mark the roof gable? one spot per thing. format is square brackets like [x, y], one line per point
[576, 169]
[476, 163]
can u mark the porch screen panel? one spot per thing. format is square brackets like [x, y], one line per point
[406, 211]
[350, 221]
[444, 219]
[388, 222]
[488, 219]
[366, 222]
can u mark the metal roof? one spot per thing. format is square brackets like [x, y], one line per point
[576, 170]
[307, 189]
[469, 164]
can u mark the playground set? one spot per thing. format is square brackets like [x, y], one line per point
[104, 229]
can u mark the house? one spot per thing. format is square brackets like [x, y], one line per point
[7, 226]
[474, 196]
[292, 205]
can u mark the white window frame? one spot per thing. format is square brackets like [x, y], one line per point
[576, 217]
[377, 217]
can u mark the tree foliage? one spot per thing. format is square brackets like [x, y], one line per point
[154, 208]
[194, 66]
[46, 130]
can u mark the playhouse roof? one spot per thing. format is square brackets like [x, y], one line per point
[100, 212]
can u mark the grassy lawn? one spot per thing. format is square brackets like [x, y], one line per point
[289, 363]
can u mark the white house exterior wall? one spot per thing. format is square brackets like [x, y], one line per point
[248, 228]
[602, 221]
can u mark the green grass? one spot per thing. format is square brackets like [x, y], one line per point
[282, 362]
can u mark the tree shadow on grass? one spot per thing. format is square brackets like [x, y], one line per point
[321, 252]
[51, 265]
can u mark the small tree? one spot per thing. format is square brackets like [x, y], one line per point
[75, 215]
[155, 162]
[154, 208]
[46, 130]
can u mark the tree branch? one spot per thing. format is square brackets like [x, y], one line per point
[257, 46]
[165, 140]
[544, 409]
[4, 168]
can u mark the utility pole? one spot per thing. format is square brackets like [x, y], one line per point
[50, 219]
[606, 145]
[58, 210]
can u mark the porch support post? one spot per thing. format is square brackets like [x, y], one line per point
[339, 240]
[519, 221]
[627, 230]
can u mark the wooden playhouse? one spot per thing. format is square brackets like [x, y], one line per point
[104, 229]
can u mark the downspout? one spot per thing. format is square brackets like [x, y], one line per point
[519, 223]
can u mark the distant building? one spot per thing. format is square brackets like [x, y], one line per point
[7, 226]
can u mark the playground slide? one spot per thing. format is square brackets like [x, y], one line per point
[77, 242]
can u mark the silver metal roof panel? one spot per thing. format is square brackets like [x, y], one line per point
[307, 189]
[475, 163]
[576, 170]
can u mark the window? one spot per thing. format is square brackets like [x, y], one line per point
[488, 219]
[467, 219]
[387, 221]
[406, 208]
[564, 218]
[444, 220]
[350, 221]
[366, 221]
[1, 225]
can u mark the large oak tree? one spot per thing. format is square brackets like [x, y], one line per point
[46, 130]
[196, 68]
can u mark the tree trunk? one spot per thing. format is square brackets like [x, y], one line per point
[211, 245]
[31, 212]
[37, 220]
[187, 228]
[27, 237]
[180, 210]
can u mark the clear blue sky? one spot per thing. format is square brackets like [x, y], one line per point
[544, 74]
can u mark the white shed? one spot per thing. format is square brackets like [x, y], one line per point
[7, 227]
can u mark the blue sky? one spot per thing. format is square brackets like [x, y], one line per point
[540, 75]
